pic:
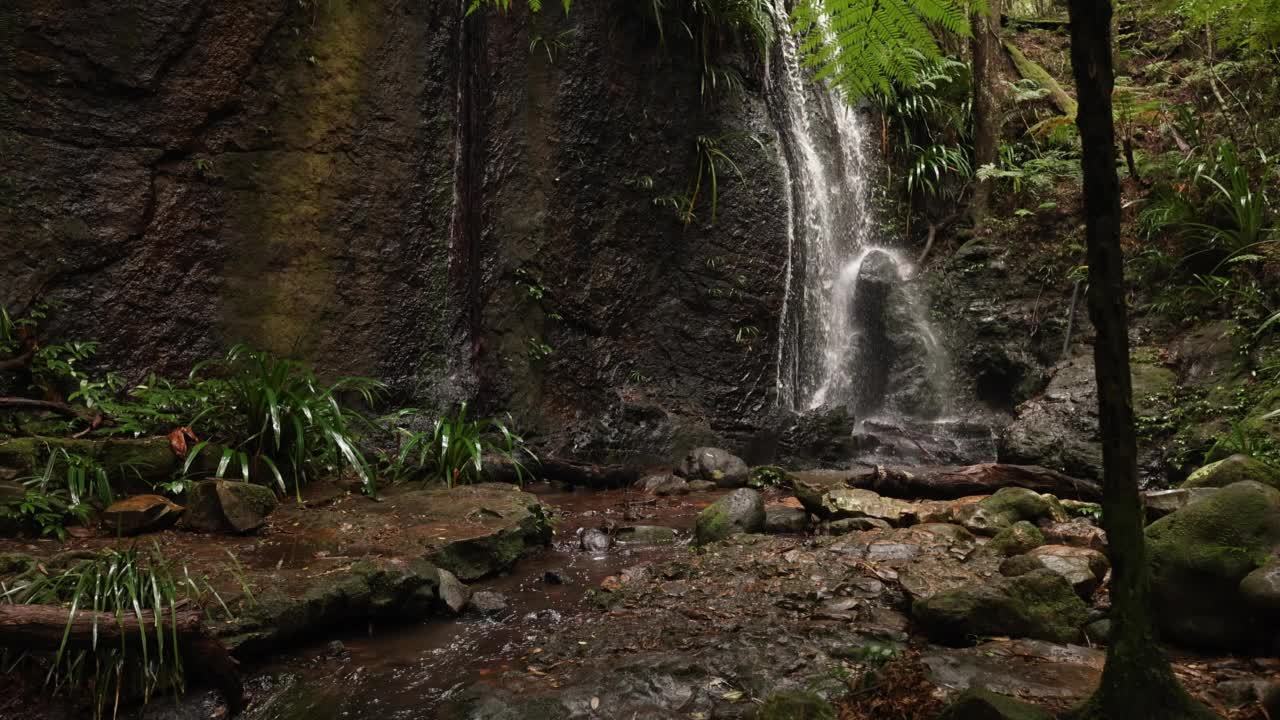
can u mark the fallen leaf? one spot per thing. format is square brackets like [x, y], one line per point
[595, 703]
[178, 439]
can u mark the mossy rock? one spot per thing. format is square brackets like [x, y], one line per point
[1007, 506]
[795, 705]
[767, 476]
[149, 459]
[740, 511]
[1039, 604]
[1016, 539]
[1234, 469]
[1200, 554]
[982, 704]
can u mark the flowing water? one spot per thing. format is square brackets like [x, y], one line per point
[828, 162]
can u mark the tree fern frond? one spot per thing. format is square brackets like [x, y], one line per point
[864, 47]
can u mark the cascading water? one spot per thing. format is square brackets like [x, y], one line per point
[832, 352]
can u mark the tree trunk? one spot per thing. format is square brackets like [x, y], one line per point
[986, 103]
[43, 628]
[1137, 681]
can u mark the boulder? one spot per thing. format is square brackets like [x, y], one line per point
[1199, 557]
[980, 704]
[841, 502]
[594, 540]
[452, 593]
[1261, 589]
[226, 506]
[795, 705]
[715, 465]
[664, 485]
[1008, 506]
[1234, 469]
[1039, 604]
[701, 486]
[1082, 567]
[140, 514]
[645, 535]
[740, 511]
[1016, 539]
[785, 519]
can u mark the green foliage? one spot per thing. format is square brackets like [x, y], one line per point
[866, 48]
[505, 5]
[272, 415]
[63, 491]
[713, 160]
[1250, 24]
[1030, 169]
[118, 584]
[930, 122]
[453, 451]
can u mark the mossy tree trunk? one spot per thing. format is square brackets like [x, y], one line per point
[986, 102]
[1137, 681]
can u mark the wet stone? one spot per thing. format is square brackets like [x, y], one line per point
[783, 519]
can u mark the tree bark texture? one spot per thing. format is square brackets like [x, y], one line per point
[986, 50]
[1137, 681]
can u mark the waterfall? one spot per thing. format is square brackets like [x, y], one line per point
[833, 349]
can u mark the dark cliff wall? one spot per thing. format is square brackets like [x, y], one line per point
[375, 186]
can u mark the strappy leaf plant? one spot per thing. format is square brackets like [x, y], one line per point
[272, 417]
[118, 585]
[454, 450]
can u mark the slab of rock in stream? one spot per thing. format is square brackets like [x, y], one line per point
[714, 465]
[351, 561]
[1159, 503]
[741, 511]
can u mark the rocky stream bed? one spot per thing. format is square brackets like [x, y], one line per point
[680, 599]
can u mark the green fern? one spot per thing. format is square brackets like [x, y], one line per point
[865, 47]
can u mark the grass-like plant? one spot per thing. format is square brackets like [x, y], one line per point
[453, 451]
[61, 492]
[118, 584]
[272, 415]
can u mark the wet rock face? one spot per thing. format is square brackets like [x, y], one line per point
[1059, 428]
[888, 357]
[286, 175]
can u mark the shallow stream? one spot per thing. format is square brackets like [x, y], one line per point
[408, 670]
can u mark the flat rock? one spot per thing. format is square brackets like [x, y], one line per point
[140, 514]
[1032, 669]
[785, 519]
[645, 535]
[665, 484]
[1159, 503]
[1077, 533]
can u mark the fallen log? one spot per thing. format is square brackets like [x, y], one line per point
[26, 628]
[950, 482]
